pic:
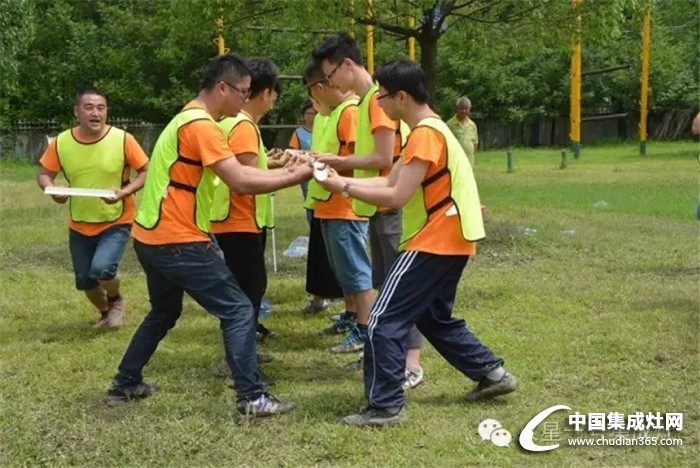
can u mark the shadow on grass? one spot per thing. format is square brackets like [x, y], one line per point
[68, 332]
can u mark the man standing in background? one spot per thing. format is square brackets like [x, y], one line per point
[464, 128]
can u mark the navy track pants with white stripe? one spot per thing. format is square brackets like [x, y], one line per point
[420, 289]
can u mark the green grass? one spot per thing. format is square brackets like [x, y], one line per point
[603, 320]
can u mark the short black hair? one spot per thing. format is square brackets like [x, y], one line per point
[404, 75]
[307, 105]
[263, 75]
[88, 90]
[313, 74]
[230, 68]
[337, 48]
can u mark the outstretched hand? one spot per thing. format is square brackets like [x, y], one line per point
[334, 182]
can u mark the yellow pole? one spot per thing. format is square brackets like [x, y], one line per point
[412, 40]
[352, 19]
[575, 99]
[370, 40]
[219, 41]
[646, 41]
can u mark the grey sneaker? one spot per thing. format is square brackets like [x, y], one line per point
[264, 405]
[351, 344]
[414, 377]
[487, 388]
[312, 307]
[118, 395]
[376, 417]
[357, 364]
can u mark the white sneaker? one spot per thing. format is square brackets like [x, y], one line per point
[414, 377]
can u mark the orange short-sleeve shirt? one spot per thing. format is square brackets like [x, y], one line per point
[199, 140]
[135, 159]
[339, 207]
[242, 139]
[442, 234]
[380, 121]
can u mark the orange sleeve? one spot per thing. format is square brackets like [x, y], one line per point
[202, 140]
[49, 160]
[294, 141]
[135, 156]
[424, 144]
[243, 138]
[347, 124]
[378, 118]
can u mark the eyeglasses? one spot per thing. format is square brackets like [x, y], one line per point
[330, 75]
[382, 96]
[244, 94]
[308, 87]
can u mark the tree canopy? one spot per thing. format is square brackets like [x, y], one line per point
[511, 57]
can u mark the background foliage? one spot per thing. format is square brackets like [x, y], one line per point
[511, 57]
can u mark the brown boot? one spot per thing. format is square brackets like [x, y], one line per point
[115, 314]
[102, 321]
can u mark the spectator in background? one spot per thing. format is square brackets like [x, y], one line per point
[301, 139]
[464, 128]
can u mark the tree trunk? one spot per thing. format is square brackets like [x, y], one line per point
[428, 42]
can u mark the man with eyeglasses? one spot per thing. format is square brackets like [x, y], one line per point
[239, 222]
[379, 140]
[344, 232]
[173, 243]
[434, 185]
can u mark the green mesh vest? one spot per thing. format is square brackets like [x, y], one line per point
[98, 165]
[165, 155]
[463, 192]
[221, 207]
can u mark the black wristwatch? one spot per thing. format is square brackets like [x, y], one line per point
[346, 191]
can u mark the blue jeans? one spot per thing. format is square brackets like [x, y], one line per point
[345, 243]
[97, 257]
[197, 269]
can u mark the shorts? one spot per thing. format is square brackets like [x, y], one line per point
[347, 254]
[97, 257]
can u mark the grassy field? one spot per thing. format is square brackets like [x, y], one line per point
[598, 310]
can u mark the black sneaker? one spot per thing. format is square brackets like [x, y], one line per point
[265, 358]
[264, 405]
[487, 388]
[118, 395]
[376, 417]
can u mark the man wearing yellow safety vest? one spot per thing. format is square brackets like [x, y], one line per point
[99, 156]
[434, 184]
[344, 231]
[173, 244]
[239, 221]
[378, 146]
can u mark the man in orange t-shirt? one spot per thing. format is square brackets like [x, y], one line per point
[341, 60]
[92, 155]
[422, 283]
[344, 232]
[174, 246]
[240, 237]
